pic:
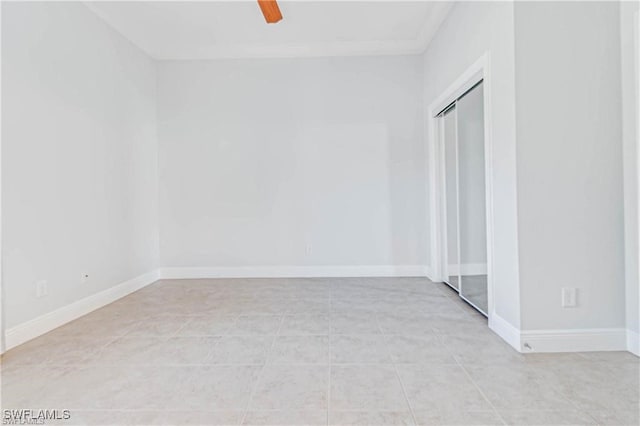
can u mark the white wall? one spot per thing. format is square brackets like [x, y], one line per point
[630, 47]
[471, 29]
[292, 162]
[79, 162]
[569, 163]
[317, 162]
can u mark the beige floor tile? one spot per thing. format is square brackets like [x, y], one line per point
[110, 417]
[458, 417]
[25, 385]
[260, 325]
[208, 326]
[354, 323]
[430, 306]
[300, 350]
[184, 350]
[371, 418]
[418, 350]
[563, 357]
[118, 387]
[129, 350]
[173, 418]
[283, 387]
[212, 388]
[94, 326]
[481, 349]
[366, 388]
[617, 417]
[511, 387]
[355, 305]
[457, 321]
[596, 386]
[308, 306]
[286, 417]
[359, 349]
[56, 351]
[196, 351]
[141, 418]
[440, 387]
[300, 325]
[547, 418]
[250, 350]
[311, 288]
[612, 356]
[157, 325]
[405, 324]
[265, 306]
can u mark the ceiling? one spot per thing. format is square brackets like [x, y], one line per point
[236, 29]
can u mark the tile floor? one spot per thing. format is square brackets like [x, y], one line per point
[308, 351]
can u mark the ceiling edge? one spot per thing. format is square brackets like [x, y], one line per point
[295, 50]
[433, 22]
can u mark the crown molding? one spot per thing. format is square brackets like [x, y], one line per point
[432, 24]
[429, 28]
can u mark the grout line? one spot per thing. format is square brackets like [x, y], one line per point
[94, 355]
[395, 369]
[473, 382]
[404, 392]
[264, 366]
[187, 322]
[558, 389]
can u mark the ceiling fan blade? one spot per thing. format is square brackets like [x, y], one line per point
[270, 10]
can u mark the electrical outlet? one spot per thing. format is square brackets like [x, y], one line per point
[41, 289]
[569, 297]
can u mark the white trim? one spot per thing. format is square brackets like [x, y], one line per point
[633, 339]
[2, 310]
[294, 271]
[462, 84]
[435, 18]
[479, 70]
[488, 178]
[633, 342]
[432, 24]
[428, 273]
[434, 129]
[578, 340]
[504, 329]
[47, 322]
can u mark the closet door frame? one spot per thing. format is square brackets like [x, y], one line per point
[478, 71]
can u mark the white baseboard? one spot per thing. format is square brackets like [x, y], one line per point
[47, 322]
[578, 340]
[428, 272]
[504, 329]
[633, 342]
[294, 271]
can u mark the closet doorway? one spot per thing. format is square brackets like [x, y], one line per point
[462, 166]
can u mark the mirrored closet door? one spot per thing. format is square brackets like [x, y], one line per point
[451, 196]
[462, 144]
